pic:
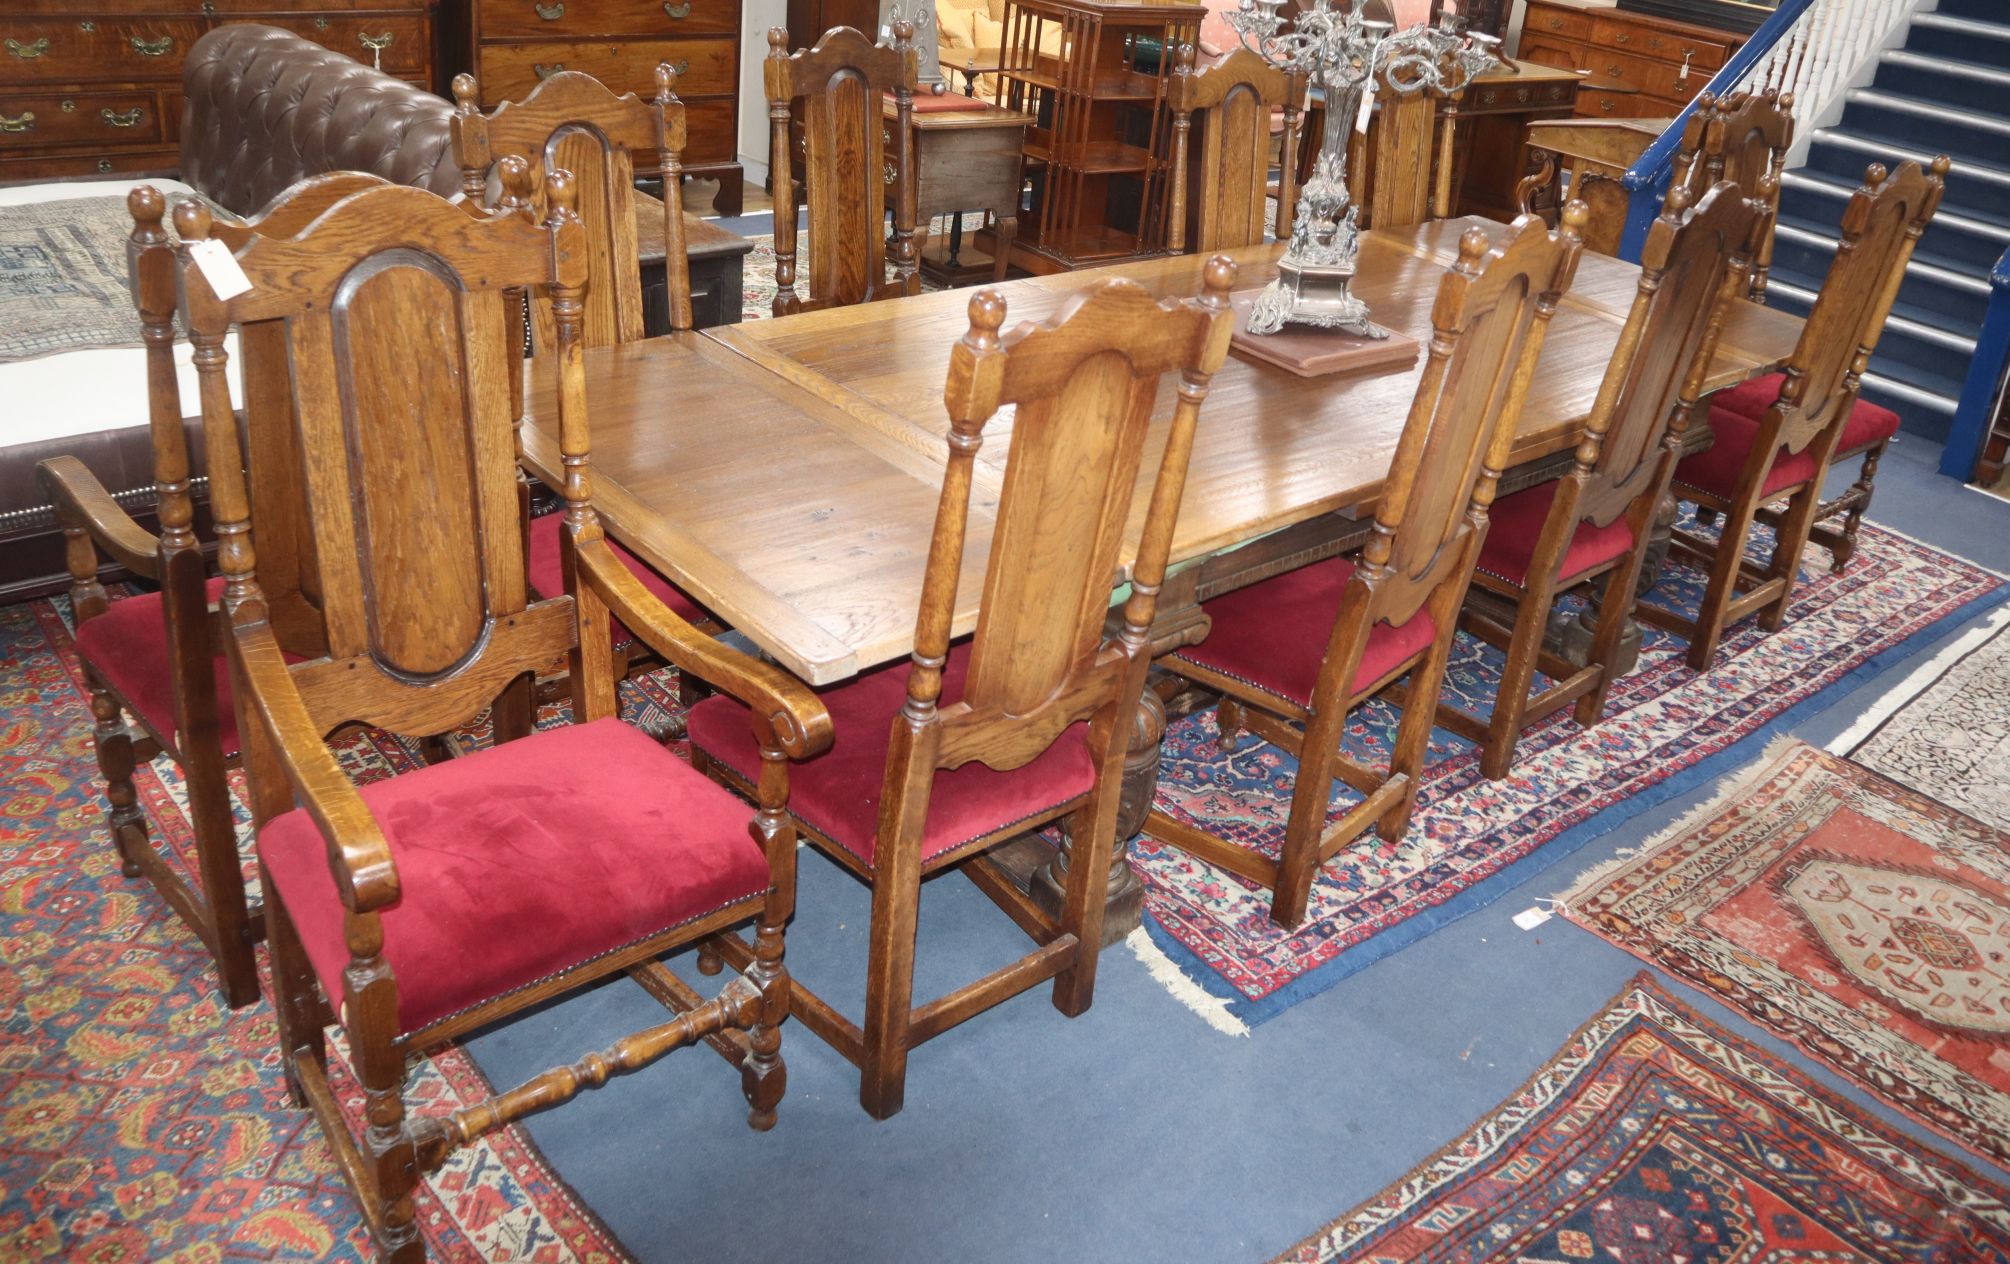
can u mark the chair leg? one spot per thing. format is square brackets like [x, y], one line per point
[1517, 677]
[1860, 493]
[114, 740]
[1082, 902]
[1615, 608]
[215, 829]
[1413, 733]
[1789, 541]
[889, 984]
[763, 1075]
[1227, 722]
[1722, 587]
[292, 992]
[389, 1155]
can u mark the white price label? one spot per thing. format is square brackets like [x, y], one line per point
[219, 268]
[1367, 108]
[1530, 918]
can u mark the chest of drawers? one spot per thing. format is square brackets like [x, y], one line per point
[93, 87]
[1639, 66]
[511, 44]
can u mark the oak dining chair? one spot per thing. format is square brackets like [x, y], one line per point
[1293, 655]
[1594, 523]
[835, 90]
[1223, 188]
[607, 848]
[1743, 138]
[1775, 437]
[1023, 725]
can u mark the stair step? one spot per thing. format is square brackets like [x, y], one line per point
[1972, 188]
[1960, 241]
[1925, 125]
[1921, 356]
[1922, 412]
[1931, 295]
[1966, 85]
[1967, 38]
[1977, 10]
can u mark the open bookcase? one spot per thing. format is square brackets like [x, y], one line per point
[1093, 74]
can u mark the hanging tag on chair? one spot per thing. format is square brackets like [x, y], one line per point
[219, 267]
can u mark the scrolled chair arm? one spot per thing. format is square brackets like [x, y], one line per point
[800, 723]
[82, 502]
[358, 856]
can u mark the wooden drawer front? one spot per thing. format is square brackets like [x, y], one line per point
[1547, 52]
[277, 12]
[127, 49]
[1655, 78]
[584, 19]
[1670, 46]
[1591, 104]
[705, 67]
[402, 39]
[94, 163]
[711, 136]
[79, 118]
[1544, 20]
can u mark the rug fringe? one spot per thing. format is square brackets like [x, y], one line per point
[1166, 973]
[1917, 682]
[1777, 748]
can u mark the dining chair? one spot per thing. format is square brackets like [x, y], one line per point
[599, 849]
[1024, 724]
[835, 90]
[1293, 655]
[154, 670]
[1743, 138]
[1780, 451]
[1235, 97]
[1595, 522]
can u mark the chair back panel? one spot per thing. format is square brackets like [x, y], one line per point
[1743, 138]
[1880, 227]
[1492, 309]
[1400, 157]
[1228, 179]
[570, 122]
[1084, 385]
[1691, 267]
[395, 322]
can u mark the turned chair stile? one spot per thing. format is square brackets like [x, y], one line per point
[1743, 138]
[836, 89]
[1231, 173]
[1780, 449]
[1025, 724]
[379, 917]
[1595, 522]
[1292, 656]
[155, 657]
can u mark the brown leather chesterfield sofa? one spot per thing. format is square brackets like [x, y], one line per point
[263, 108]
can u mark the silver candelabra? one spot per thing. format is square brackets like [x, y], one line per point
[1335, 47]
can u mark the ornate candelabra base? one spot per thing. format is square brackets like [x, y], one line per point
[1312, 294]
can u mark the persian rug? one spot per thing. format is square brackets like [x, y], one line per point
[63, 281]
[139, 1118]
[1655, 1137]
[1860, 919]
[1664, 726]
[1948, 735]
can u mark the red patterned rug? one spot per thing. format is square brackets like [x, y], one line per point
[1661, 722]
[1654, 1137]
[139, 1119]
[1863, 920]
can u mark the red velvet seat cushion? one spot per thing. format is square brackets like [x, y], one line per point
[837, 793]
[1515, 527]
[1273, 635]
[1717, 470]
[128, 646]
[547, 573]
[1868, 423]
[943, 103]
[523, 860]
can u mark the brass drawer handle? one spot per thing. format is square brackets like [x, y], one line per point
[131, 118]
[888, 173]
[550, 12]
[1624, 37]
[682, 67]
[678, 8]
[28, 52]
[1605, 103]
[24, 123]
[153, 48]
[1614, 71]
[543, 71]
[320, 24]
[376, 44]
[104, 165]
[1556, 24]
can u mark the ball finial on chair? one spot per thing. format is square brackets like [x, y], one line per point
[465, 94]
[146, 205]
[192, 220]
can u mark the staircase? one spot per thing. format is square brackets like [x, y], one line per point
[1947, 90]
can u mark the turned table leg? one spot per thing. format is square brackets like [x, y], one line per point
[1124, 907]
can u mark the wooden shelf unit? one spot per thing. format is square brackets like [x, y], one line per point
[1100, 152]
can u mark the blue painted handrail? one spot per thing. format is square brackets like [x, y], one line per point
[1646, 181]
[1985, 378]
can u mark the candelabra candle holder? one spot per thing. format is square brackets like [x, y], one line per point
[1340, 51]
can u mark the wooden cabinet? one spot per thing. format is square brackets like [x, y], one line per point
[1639, 66]
[511, 44]
[93, 87]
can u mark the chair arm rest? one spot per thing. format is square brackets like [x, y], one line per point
[358, 856]
[82, 501]
[800, 721]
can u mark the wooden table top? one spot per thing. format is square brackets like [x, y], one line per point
[785, 472]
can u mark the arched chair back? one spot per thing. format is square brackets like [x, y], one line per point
[1224, 187]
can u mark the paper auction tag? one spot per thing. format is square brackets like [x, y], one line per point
[219, 268]
[1367, 108]
[1530, 918]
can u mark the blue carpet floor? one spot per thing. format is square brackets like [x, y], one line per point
[1135, 1132]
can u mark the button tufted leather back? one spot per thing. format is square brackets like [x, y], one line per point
[265, 108]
